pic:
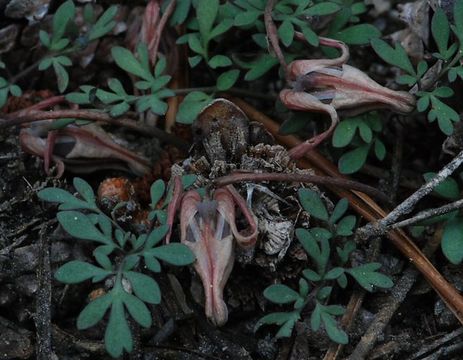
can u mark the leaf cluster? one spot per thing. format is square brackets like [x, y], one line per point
[119, 255]
[209, 25]
[346, 25]
[452, 236]
[214, 20]
[449, 42]
[362, 133]
[291, 16]
[316, 285]
[7, 88]
[65, 39]
[152, 82]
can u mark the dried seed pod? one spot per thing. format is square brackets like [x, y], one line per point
[113, 191]
[222, 130]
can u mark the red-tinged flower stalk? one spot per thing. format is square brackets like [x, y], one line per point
[150, 23]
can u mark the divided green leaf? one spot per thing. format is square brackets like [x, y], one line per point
[312, 203]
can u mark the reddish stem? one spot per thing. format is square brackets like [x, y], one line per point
[304, 178]
[31, 116]
[162, 23]
[272, 35]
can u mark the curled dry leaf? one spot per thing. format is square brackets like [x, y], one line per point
[32, 10]
[134, 23]
[411, 43]
[416, 16]
[150, 23]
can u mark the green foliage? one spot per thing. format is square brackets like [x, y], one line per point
[118, 98]
[345, 25]
[444, 114]
[290, 16]
[118, 101]
[58, 63]
[214, 19]
[327, 269]
[361, 133]
[103, 25]
[257, 67]
[440, 29]
[153, 81]
[157, 192]
[227, 79]
[60, 42]
[210, 25]
[208, 22]
[313, 204]
[191, 106]
[367, 276]
[455, 72]
[449, 53]
[357, 34]
[397, 57]
[7, 88]
[452, 237]
[118, 256]
[452, 240]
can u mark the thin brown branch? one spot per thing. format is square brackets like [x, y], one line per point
[25, 72]
[408, 204]
[304, 178]
[272, 35]
[434, 344]
[31, 116]
[46, 103]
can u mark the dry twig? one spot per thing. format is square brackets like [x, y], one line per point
[408, 204]
[427, 214]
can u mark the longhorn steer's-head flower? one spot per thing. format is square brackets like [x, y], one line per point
[83, 149]
[329, 85]
[208, 227]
